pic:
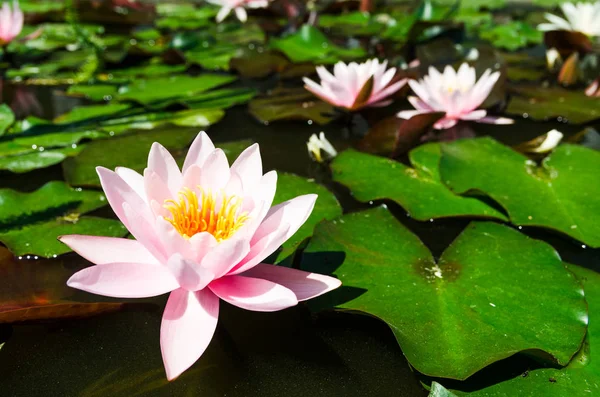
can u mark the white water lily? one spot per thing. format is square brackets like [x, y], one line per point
[238, 7]
[579, 17]
[320, 148]
[550, 141]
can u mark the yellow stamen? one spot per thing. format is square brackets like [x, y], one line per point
[191, 215]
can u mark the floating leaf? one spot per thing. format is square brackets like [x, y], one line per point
[7, 118]
[561, 194]
[31, 222]
[580, 378]
[33, 291]
[162, 88]
[309, 44]
[290, 104]
[95, 92]
[478, 304]
[513, 35]
[438, 390]
[542, 103]
[326, 208]
[419, 190]
[35, 159]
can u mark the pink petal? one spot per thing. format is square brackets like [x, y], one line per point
[495, 120]
[189, 276]
[224, 256]
[388, 91]
[445, 123]
[407, 114]
[133, 179]
[249, 167]
[419, 104]
[171, 240]
[144, 232]
[103, 250]
[474, 115]
[157, 192]
[124, 280]
[118, 192]
[214, 175]
[305, 285]
[201, 148]
[188, 325]
[319, 91]
[253, 293]
[161, 162]
[281, 222]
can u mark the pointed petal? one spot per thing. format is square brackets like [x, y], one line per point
[241, 14]
[223, 257]
[103, 250]
[124, 280]
[199, 151]
[161, 162]
[118, 192]
[188, 325]
[134, 180]
[305, 285]
[223, 12]
[495, 120]
[248, 166]
[215, 172]
[188, 275]
[253, 293]
[474, 115]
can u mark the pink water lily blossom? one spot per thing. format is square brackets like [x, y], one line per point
[201, 234]
[456, 93]
[238, 7]
[11, 22]
[346, 87]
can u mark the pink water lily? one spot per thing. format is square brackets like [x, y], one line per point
[11, 22]
[201, 234]
[237, 6]
[347, 86]
[457, 93]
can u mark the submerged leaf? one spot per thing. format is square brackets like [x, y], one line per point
[290, 104]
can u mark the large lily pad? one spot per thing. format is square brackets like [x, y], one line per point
[31, 222]
[33, 291]
[543, 103]
[131, 151]
[561, 194]
[290, 104]
[162, 88]
[580, 378]
[476, 305]
[309, 44]
[419, 190]
[7, 118]
[326, 208]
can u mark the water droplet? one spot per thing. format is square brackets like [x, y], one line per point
[530, 217]
[525, 115]
[492, 305]
[583, 246]
[430, 219]
[41, 149]
[34, 147]
[573, 226]
[133, 41]
[74, 146]
[310, 122]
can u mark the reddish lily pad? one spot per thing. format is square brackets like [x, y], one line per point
[33, 291]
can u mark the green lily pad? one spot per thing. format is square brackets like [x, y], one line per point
[513, 35]
[543, 103]
[162, 88]
[326, 208]
[309, 44]
[419, 190]
[31, 222]
[479, 303]
[562, 194]
[35, 159]
[95, 92]
[580, 378]
[290, 104]
[131, 151]
[7, 118]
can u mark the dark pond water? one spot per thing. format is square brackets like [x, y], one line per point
[288, 353]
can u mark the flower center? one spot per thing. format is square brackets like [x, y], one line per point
[192, 214]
